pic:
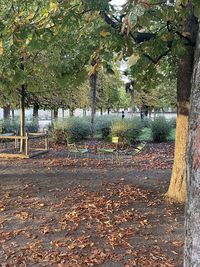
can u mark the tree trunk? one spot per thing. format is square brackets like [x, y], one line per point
[192, 222]
[6, 112]
[84, 112]
[93, 85]
[71, 112]
[177, 188]
[101, 111]
[108, 110]
[35, 111]
[55, 113]
[52, 117]
[22, 117]
[13, 114]
[132, 101]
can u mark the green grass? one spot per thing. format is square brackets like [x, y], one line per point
[146, 135]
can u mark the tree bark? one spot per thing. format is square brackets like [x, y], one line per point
[132, 93]
[55, 113]
[13, 114]
[6, 112]
[192, 223]
[71, 112]
[35, 111]
[177, 188]
[22, 117]
[93, 85]
[84, 112]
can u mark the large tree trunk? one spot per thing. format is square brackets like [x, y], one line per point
[192, 241]
[6, 112]
[177, 188]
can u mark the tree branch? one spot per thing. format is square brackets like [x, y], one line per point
[138, 37]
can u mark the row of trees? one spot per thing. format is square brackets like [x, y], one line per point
[47, 51]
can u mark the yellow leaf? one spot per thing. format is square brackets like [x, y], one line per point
[53, 6]
[94, 68]
[133, 59]
[30, 16]
[105, 33]
[186, 34]
[1, 48]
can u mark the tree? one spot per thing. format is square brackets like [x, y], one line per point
[192, 247]
[108, 90]
[130, 88]
[160, 33]
[160, 97]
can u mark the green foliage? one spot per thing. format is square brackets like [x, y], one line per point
[32, 126]
[146, 122]
[172, 122]
[108, 90]
[146, 135]
[128, 130]
[71, 130]
[103, 125]
[160, 129]
[59, 135]
[79, 129]
[12, 126]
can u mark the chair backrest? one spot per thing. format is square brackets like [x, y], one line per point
[115, 140]
[72, 147]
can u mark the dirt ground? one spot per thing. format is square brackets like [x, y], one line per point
[62, 212]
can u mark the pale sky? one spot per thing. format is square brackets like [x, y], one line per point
[118, 2]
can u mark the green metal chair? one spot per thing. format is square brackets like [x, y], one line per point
[110, 151]
[74, 150]
[138, 149]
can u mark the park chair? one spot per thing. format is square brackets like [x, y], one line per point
[138, 149]
[110, 151]
[74, 150]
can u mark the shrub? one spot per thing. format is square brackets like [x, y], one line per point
[127, 130]
[160, 129]
[10, 126]
[71, 130]
[146, 122]
[32, 126]
[172, 122]
[59, 135]
[103, 126]
[78, 129]
[13, 126]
